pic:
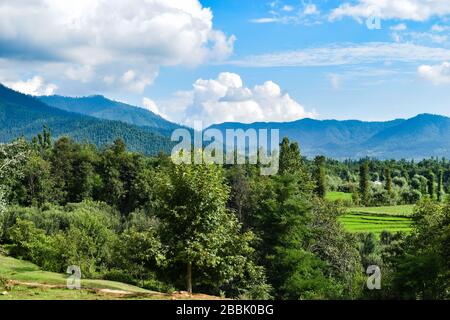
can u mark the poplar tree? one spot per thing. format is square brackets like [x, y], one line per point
[320, 176]
[364, 184]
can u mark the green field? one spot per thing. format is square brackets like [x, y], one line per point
[335, 196]
[378, 219]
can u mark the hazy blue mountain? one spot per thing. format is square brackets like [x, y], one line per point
[103, 108]
[420, 137]
[23, 115]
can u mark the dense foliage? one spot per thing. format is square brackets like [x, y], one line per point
[223, 230]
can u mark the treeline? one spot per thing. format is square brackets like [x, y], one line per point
[375, 182]
[219, 230]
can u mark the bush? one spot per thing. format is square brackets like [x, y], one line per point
[78, 234]
[411, 196]
[4, 283]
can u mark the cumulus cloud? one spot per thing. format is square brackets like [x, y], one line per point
[416, 10]
[227, 99]
[35, 86]
[437, 74]
[93, 40]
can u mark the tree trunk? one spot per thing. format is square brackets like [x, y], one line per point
[189, 277]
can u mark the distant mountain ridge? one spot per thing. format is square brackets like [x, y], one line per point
[103, 108]
[23, 115]
[423, 136]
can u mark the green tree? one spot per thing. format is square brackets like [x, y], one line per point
[200, 232]
[388, 180]
[431, 184]
[290, 158]
[320, 176]
[364, 183]
[440, 189]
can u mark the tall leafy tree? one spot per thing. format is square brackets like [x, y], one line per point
[290, 158]
[431, 184]
[364, 183]
[320, 176]
[201, 234]
[440, 190]
[388, 180]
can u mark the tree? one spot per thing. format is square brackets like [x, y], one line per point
[440, 190]
[12, 158]
[320, 176]
[422, 270]
[290, 158]
[431, 182]
[364, 183]
[388, 180]
[38, 181]
[240, 192]
[200, 232]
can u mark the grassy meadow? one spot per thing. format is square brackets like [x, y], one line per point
[23, 280]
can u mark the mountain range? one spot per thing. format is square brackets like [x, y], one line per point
[24, 116]
[100, 120]
[423, 136]
[103, 108]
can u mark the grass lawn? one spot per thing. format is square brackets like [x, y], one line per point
[379, 219]
[334, 196]
[26, 281]
[29, 282]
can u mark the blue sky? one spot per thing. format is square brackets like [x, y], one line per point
[230, 60]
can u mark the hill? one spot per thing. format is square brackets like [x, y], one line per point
[103, 108]
[420, 137]
[23, 115]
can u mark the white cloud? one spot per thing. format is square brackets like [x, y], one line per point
[399, 27]
[439, 28]
[226, 99]
[94, 39]
[304, 14]
[416, 10]
[264, 20]
[352, 54]
[35, 86]
[437, 74]
[310, 9]
[151, 105]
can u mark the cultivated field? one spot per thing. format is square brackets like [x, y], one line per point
[334, 196]
[379, 219]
